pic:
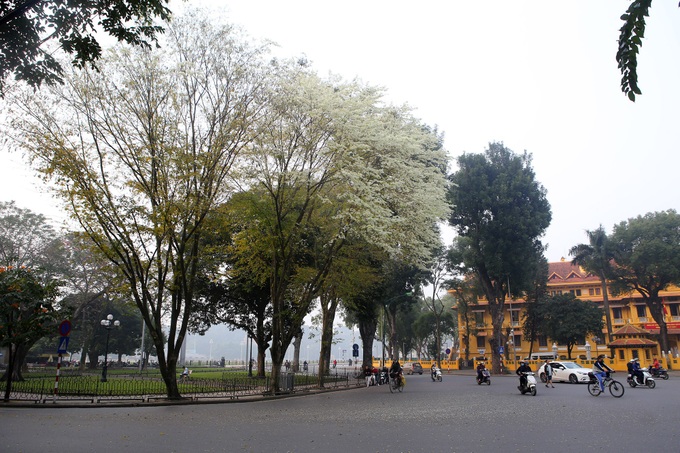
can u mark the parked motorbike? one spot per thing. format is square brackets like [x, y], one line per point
[648, 379]
[486, 378]
[436, 374]
[383, 378]
[530, 386]
[659, 373]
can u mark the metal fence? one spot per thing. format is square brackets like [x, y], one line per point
[89, 388]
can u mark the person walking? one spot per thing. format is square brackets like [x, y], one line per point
[368, 373]
[547, 369]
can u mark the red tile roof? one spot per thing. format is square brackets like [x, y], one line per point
[565, 271]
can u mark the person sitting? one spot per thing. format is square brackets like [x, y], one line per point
[395, 370]
[480, 371]
[433, 369]
[185, 374]
[601, 370]
[523, 368]
[637, 372]
[656, 365]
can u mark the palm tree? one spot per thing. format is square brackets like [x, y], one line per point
[595, 257]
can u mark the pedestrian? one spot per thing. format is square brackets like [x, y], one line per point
[547, 369]
[369, 375]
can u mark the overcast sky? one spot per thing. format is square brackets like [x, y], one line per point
[538, 76]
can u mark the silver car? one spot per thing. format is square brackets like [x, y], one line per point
[566, 372]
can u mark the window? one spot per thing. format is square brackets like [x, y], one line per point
[674, 309]
[479, 318]
[641, 312]
[518, 341]
[591, 291]
[621, 356]
[597, 291]
[575, 292]
[480, 342]
[578, 293]
[543, 341]
[514, 318]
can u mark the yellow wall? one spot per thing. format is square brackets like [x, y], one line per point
[585, 287]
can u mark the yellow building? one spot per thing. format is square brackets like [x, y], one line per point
[563, 277]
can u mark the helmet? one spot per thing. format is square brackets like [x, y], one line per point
[601, 356]
[636, 359]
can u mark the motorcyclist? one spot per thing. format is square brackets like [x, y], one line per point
[480, 371]
[601, 370]
[637, 372]
[523, 368]
[433, 369]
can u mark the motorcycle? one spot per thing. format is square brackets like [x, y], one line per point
[659, 373]
[530, 386]
[486, 378]
[436, 374]
[383, 378]
[648, 379]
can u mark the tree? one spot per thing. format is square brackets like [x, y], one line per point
[334, 166]
[631, 34]
[596, 258]
[532, 319]
[646, 253]
[28, 241]
[143, 151]
[28, 27]
[500, 212]
[230, 291]
[26, 315]
[568, 320]
[437, 279]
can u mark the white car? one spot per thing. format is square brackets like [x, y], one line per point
[566, 372]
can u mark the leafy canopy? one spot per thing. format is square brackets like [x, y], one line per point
[29, 30]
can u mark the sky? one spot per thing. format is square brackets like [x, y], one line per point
[538, 76]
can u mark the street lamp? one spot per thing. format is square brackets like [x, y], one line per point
[107, 323]
[554, 349]
[587, 346]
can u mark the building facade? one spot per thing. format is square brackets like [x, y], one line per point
[563, 278]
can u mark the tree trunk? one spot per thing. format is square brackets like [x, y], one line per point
[296, 351]
[605, 306]
[367, 329]
[261, 357]
[18, 359]
[656, 310]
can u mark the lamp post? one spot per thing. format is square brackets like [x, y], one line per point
[107, 323]
[587, 346]
[554, 349]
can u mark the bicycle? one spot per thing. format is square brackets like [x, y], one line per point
[615, 387]
[396, 383]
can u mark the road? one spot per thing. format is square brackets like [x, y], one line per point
[455, 415]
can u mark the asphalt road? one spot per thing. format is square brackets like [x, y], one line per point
[455, 415]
